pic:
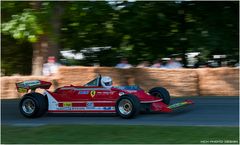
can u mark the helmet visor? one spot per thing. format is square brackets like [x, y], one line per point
[108, 83]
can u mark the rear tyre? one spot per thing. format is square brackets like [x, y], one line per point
[33, 105]
[127, 106]
[162, 93]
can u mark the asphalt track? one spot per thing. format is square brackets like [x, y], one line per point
[207, 111]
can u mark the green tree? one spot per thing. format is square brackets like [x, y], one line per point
[136, 30]
[16, 54]
[32, 24]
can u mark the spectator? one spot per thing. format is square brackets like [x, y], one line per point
[237, 65]
[164, 63]
[156, 64]
[51, 67]
[143, 64]
[123, 64]
[173, 64]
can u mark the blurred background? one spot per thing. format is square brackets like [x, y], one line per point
[191, 48]
[112, 33]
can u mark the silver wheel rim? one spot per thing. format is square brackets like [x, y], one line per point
[125, 106]
[28, 106]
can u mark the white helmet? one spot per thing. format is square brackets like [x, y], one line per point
[106, 82]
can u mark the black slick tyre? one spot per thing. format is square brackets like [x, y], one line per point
[33, 105]
[162, 93]
[127, 106]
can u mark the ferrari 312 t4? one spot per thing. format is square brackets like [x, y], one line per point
[97, 96]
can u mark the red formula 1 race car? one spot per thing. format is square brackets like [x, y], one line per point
[97, 96]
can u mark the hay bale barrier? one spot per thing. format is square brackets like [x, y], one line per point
[179, 82]
[219, 82]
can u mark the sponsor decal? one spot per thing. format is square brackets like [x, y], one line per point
[83, 92]
[21, 85]
[177, 105]
[108, 108]
[132, 91]
[64, 108]
[32, 83]
[93, 93]
[90, 105]
[104, 93]
[86, 108]
[89, 89]
[22, 90]
[78, 108]
[67, 104]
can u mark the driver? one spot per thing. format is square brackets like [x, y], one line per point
[106, 82]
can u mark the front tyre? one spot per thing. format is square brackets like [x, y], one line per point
[33, 105]
[162, 93]
[127, 106]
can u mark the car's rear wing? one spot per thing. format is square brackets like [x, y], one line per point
[23, 87]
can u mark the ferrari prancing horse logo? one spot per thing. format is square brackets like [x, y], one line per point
[92, 93]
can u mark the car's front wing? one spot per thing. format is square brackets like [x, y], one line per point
[161, 107]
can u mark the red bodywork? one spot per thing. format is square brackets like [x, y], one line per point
[80, 95]
[96, 98]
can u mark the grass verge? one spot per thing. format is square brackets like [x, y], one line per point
[104, 134]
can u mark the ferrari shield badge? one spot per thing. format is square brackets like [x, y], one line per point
[92, 93]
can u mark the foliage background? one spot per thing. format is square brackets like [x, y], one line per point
[136, 30]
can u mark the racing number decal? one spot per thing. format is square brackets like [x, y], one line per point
[92, 93]
[67, 104]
